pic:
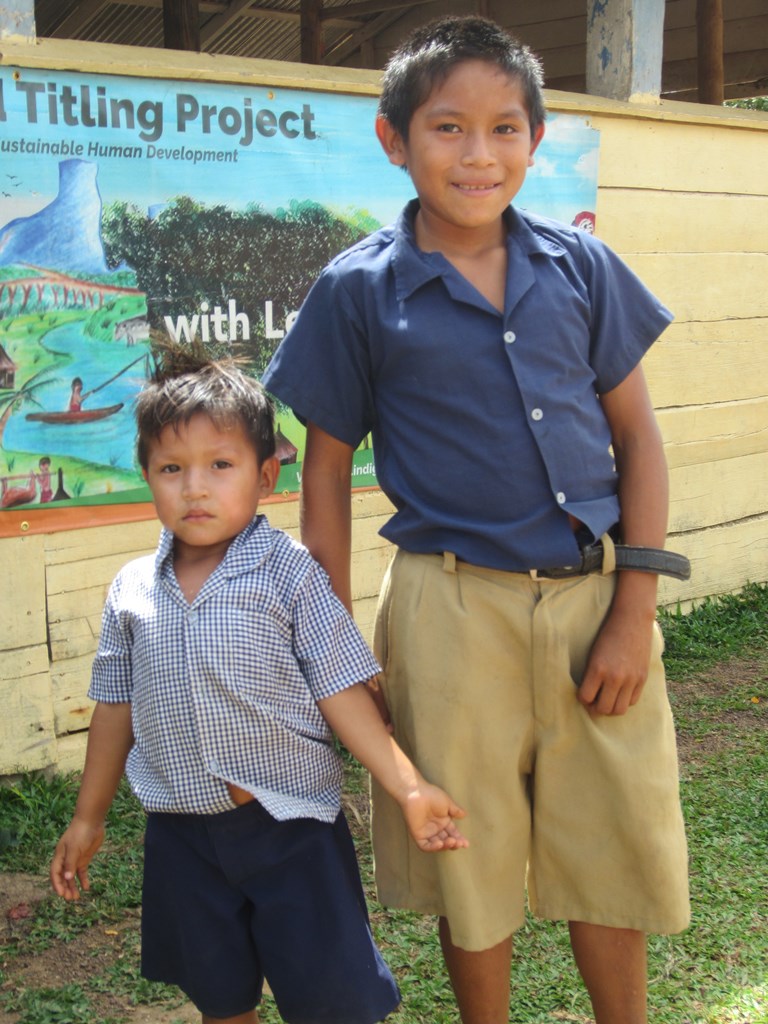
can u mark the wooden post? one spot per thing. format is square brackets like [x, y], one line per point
[709, 40]
[181, 25]
[624, 48]
[311, 32]
[17, 18]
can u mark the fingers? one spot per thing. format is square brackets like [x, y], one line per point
[63, 875]
[447, 837]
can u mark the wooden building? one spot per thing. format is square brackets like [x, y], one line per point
[683, 197]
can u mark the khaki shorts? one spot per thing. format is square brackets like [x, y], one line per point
[481, 669]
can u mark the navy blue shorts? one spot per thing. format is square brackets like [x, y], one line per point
[232, 898]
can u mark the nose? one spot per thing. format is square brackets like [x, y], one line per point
[478, 150]
[194, 484]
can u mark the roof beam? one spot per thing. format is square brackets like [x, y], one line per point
[181, 25]
[220, 22]
[356, 10]
[356, 39]
[311, 32]
[709, 49]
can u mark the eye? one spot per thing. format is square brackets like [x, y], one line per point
[505, 129]
[222, 464]
[169, 467]
[449, 128]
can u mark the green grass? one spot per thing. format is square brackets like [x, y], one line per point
[717, 629]
[714, 973]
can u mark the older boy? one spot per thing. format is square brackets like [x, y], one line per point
[222, 661]
[495, 357]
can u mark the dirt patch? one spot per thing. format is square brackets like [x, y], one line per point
[76, 961]
[745, 675]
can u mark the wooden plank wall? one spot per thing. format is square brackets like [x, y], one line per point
[684, 198]
[685, 201]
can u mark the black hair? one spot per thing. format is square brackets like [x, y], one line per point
[185, 382]
[428, 55]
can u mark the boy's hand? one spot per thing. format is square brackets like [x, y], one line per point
[73, 854]
[618, 664]
[429, 814]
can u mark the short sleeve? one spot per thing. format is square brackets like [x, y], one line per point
[328, 646]
[111, 674]
[627, 318]
[322, 368]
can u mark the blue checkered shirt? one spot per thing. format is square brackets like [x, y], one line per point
[225, 689]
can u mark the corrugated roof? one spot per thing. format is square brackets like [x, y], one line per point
[361, 33]
[267, 30]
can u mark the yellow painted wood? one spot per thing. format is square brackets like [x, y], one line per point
[699, 373]
[71, 752]
[27, 732]
[706, 286]
[22, 592]
[646, 221]
[708, 433]
[76, 614]
[714, 493]
[76, 546]
[72, 709]
[698, 157]
[100, 571]
[723, 560]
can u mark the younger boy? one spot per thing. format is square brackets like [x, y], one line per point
[495, 356]
[222, 662]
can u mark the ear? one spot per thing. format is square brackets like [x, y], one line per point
[391, 141]
[539, 135]
[268, 474]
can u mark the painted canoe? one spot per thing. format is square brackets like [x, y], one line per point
[81, 416]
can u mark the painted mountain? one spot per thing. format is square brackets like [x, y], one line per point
[66, 234]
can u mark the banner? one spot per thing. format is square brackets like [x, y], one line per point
[194, 209]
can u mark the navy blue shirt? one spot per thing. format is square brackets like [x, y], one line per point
[487, 427]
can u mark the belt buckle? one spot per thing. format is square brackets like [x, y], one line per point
[564, 572]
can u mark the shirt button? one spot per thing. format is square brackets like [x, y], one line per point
[192, 618]
[537, 414]
[509, 337]
[214, 765]
[560, 498]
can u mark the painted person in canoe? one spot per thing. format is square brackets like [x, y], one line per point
[76, 397]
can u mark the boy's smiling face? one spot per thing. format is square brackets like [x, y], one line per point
[468, 150]
[206, 482]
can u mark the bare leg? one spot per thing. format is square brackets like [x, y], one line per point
[480, 980]
[243, 1018]
[612, 962]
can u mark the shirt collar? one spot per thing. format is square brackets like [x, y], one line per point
[414, 268]
[249, 548]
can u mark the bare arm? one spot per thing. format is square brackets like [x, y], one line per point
[326, 510]
[109, 740]
[326, 519]
[618, 663]
[428, 810]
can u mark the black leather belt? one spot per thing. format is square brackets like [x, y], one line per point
[655, 560]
